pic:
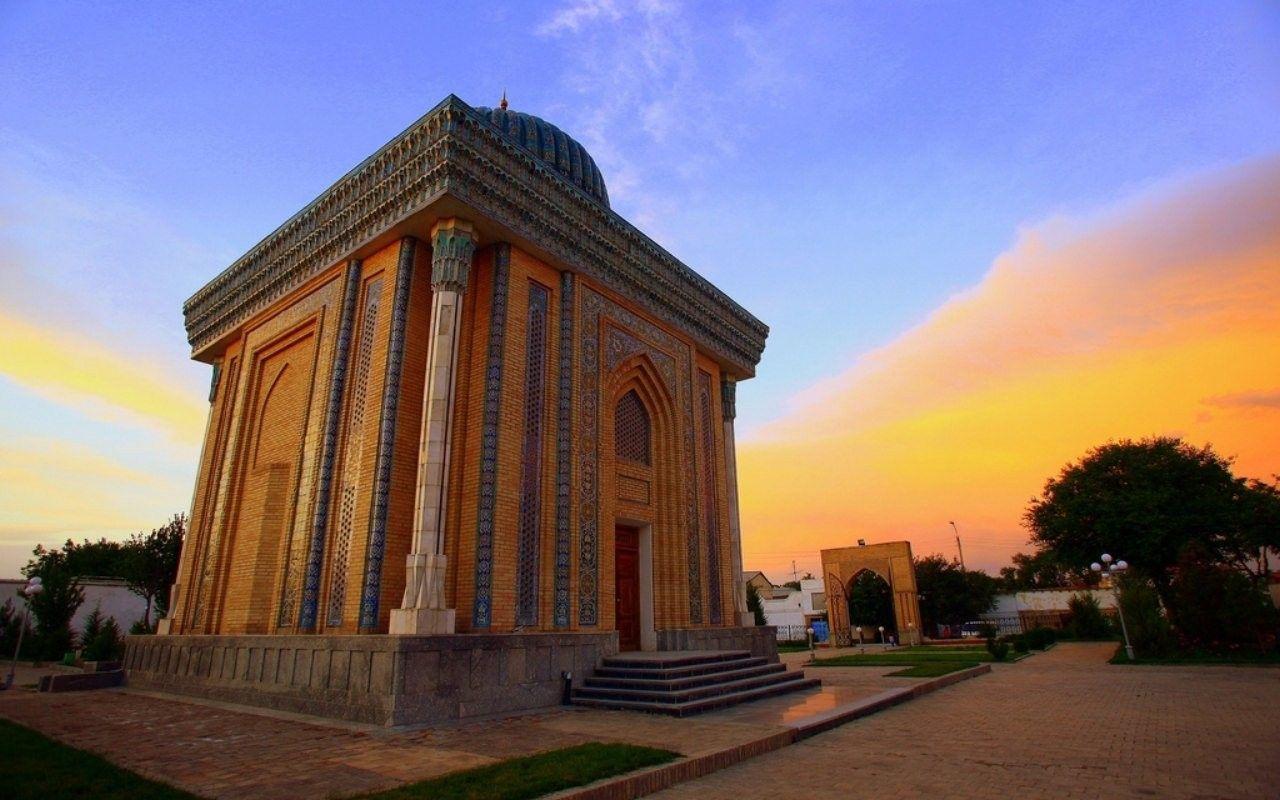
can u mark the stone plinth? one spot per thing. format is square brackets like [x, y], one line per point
[377, 679]
[760, 640]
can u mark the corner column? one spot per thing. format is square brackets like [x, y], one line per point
[423, 611]
[728, 402]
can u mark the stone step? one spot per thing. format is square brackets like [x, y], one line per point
[691, 694]
[647, 681]
[673, 659]
[704, 704]
[659, 672]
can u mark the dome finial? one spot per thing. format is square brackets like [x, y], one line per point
[503, 103]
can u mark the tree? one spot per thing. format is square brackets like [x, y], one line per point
[1037, 571]
[871, 602]
[151, 563]
[754, 605]
[949, 594]
[55, 606]
[1217, 607]
[1145, 501]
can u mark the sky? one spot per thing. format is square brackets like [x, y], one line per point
[986, 236]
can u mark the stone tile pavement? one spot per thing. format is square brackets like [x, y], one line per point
[1063, 724]
[221, 751]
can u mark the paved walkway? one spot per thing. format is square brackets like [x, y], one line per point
[1063, 724]
[220, 751]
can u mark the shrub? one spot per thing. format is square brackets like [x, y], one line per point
[1149, 631]
[1020, 643]
[92, 626]
[106, 643]
[1087, 621]
[998, 650]
[1039, 638]
[140, 628]
[1218, 608]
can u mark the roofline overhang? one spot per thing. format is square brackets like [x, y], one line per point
[453, 153]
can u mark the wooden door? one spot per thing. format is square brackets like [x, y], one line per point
[626, 563]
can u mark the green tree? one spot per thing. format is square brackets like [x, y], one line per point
[1040, 570]
[754, 605]
[871, 602]
[151, 563]
[951, 595]
[1149, 631]
[55, 606]
[1145, 501]
[1217, 607]
[1086, 620]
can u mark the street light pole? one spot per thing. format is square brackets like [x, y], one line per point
[33, 588]
[1109, 570]
[958, 547]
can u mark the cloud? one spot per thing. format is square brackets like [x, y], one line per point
[572, 17]
[1118, 325]
[76, 370]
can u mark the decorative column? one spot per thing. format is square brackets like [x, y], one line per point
[423, 611]
[728, 390]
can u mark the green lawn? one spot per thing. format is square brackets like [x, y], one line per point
[38, 768]
[533, 776]
[1271, 659]
[899, 657]
[933, 669]
[792, 647]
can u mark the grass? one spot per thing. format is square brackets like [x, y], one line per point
[532, 776]
[1271, 659]
[792, 647]
[933, 669]
[893, 658]
[38, 768]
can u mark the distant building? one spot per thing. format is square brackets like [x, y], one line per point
[1042, 607]
[764, 586]
[110, 595]
[790, 609]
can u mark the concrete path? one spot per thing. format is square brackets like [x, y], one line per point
[1063, 724]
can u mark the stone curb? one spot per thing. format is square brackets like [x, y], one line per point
[655, 779]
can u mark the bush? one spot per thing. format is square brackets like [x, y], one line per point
[1039, 638]
[1087, 621]
[1149, 631]
[998, 650]
[106, 644]
[140, 628]
[1020, 643]
[1219, 609]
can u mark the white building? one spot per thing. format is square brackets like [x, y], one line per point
[791, 610]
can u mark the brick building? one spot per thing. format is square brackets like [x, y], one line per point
[458, 396]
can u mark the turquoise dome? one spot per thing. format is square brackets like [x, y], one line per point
[553, 146]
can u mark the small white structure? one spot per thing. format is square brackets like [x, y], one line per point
[790, 609]
[1024, 610]
[110, 595]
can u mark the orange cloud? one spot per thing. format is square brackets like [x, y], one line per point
[1156, 318]
[74, 370]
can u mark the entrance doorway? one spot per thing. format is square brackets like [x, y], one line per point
[626, 561]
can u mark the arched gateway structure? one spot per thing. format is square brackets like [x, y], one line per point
[891, 561]
[464, 418]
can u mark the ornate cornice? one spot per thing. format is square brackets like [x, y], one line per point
[454, 150]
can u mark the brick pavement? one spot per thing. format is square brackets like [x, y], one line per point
[1063, 724]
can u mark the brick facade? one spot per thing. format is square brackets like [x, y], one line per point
[518, 465]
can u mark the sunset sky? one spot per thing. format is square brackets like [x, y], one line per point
[986, 236]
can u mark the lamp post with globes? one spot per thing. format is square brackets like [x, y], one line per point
[1110, 569]
[33, 588]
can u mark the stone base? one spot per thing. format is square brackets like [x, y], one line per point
[760, 640]
[422, 621]
[378, 679]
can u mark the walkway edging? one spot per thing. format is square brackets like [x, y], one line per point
[655, 779]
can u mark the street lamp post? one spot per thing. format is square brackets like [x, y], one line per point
[882, 634]
[1109, 569]
[33, 588]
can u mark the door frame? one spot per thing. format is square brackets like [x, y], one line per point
[644, 537]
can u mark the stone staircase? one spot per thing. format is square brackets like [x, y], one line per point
[684, 683]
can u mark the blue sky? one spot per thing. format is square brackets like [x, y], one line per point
[841, 169]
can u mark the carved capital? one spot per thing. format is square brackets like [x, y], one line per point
[213, 380]
[728, 397]
[453, 243]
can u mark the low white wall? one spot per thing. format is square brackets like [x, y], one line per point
[111, 596]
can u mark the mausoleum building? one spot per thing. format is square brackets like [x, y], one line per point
[457, 395]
